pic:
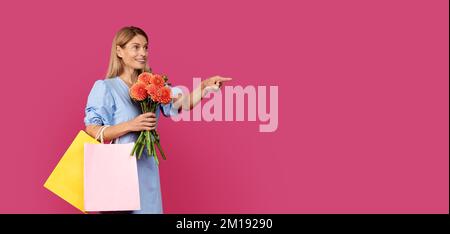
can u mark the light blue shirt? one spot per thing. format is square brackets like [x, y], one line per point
[109, 103]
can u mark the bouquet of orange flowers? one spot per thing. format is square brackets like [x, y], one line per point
[150, 91]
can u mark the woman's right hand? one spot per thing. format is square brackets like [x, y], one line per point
[146, 121]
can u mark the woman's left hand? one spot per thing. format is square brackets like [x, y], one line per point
[215, 80]
[213, 83]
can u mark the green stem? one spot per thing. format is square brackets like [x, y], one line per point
[140, 143]
[155, 134]
[139, 139]
[149, 150]
[160, 150]
[134, 149]
[146, 143]
[138, 151]
[156, 159]
[150, 145]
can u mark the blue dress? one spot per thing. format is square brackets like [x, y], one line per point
[109, 103]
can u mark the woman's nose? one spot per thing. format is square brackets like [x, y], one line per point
[143, 52]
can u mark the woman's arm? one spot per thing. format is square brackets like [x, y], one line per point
[142, 122]
[187, 102]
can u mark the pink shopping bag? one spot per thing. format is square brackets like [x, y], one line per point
[110, 178]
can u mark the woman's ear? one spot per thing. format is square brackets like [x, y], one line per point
[119, 51]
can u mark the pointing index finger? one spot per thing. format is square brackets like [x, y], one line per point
[222, 79]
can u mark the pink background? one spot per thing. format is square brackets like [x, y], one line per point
[363, 101]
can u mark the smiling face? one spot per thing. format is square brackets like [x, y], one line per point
[134, 53]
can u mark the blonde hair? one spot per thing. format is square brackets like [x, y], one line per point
[122, 37]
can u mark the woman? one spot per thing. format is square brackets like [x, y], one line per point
[109, 104]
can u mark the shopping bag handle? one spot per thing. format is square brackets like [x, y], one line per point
[100, 135]
[100, 132]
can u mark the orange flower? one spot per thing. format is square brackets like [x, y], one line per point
[157, 80]
[152, 91]
[157, 95]
[165, 95]
[145, 78]
[138, 92]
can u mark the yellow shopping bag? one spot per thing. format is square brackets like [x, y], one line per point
[67, 180]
